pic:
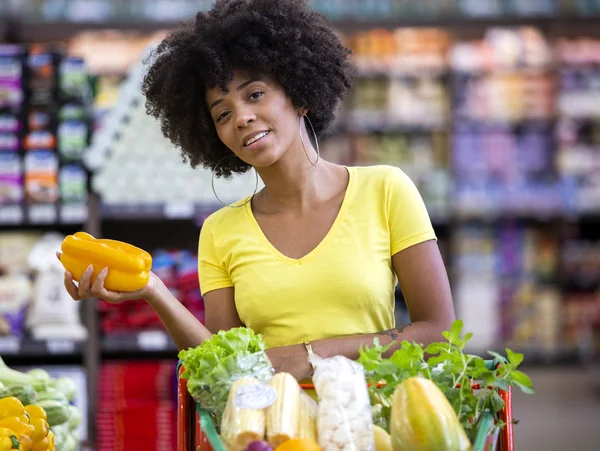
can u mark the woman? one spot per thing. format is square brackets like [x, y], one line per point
[311, 260]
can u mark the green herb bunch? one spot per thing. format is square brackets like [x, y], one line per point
[452, 370]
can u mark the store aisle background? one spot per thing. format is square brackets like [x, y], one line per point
[564, 414]
[493, 109]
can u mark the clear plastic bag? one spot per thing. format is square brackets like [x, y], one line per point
[214, 394]
[344, 420]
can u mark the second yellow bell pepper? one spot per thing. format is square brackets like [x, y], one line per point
[21, 430]
[35, 411]
[128, 265]
[11, 407]
[50, 441]
[38, 419]
[8, 440]
[40, 430]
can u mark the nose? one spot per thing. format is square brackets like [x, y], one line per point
[244, 117]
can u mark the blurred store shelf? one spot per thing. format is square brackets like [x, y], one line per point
[28, 350]
[43, 214]
[29, 30]
[139, 345]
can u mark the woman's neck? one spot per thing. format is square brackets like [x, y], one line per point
[293, 183]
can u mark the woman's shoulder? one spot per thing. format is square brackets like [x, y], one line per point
[227, 216]
[379, 175]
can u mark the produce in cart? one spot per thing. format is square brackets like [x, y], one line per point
[452, 370]
[244, 417]
[344, 420]
[423, 419]
[419, 399]
[213, 367]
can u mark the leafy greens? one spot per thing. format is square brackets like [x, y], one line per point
[451, 369]
[212, 367]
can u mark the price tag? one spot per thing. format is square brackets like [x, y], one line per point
[175, 210]
[154, 340]
[11, 214]
[73, 213]
[254, 396]
[10, 345]
[42, 214]
[61, 346]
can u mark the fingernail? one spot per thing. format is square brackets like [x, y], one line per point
[105, 271]
[90, 268]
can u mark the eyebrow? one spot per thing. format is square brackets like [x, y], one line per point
[239, 88]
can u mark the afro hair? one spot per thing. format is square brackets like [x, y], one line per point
[283, 39]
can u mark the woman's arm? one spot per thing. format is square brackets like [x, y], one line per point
[424, 282]
[221, 314]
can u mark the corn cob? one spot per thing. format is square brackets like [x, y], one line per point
[241, 426]
[282, 415]
[307, 418]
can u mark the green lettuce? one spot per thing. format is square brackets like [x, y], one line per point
[213, 367]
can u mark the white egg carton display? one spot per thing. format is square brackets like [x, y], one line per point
[135, 164]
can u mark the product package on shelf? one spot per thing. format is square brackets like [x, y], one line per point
[578, 128]
[502, 149]
[507, 287]
[399, 112]
[136, 406]
[44, 131]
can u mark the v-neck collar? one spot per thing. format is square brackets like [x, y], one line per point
[332, 230]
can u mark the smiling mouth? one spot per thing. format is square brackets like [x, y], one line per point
[255, 138]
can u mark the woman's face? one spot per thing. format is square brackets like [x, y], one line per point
[255, 119]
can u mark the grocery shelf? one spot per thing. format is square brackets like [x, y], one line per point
[147, 344]
[43, 214]
[28, 350]
[158, 211]
[29, 30]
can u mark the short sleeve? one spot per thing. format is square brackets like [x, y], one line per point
[211, 272]
[408, 219]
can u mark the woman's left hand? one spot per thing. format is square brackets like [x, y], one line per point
[290, 359]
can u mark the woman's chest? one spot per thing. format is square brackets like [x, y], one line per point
[353, 270]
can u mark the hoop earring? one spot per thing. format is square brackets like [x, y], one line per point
[316, 140]
[214, 171]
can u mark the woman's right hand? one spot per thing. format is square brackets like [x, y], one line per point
[86, 289]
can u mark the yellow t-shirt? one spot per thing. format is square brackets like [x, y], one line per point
[345, 286]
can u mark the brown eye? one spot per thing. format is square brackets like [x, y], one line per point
[222, 116]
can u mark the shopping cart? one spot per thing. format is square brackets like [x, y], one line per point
[196, 431]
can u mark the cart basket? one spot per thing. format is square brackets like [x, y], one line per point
[197, 432]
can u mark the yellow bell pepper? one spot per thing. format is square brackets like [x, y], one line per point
[41, 445]
[40, 430]
[128, 265]
[18, 427]
[38, 419]
[8, 440]
[35, 411]
[50, 441]
[11, 407]
[20, 430]
[26, 443]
